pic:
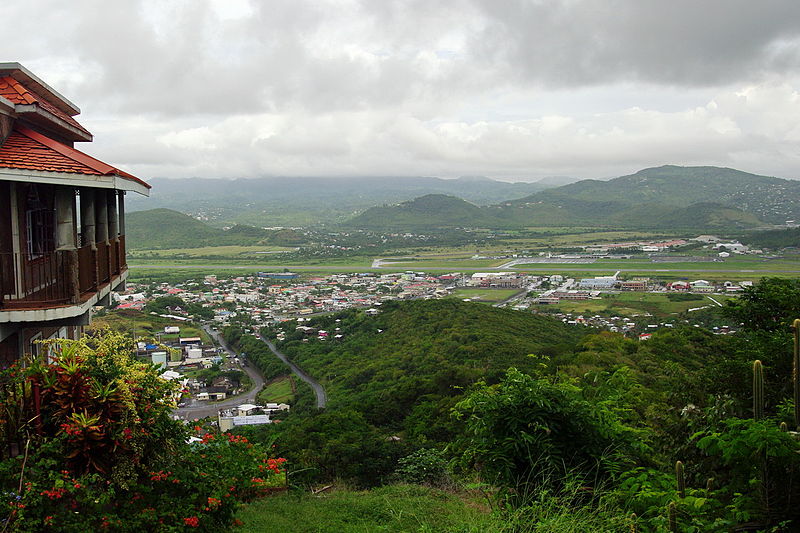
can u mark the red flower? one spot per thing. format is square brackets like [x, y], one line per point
[192, 521]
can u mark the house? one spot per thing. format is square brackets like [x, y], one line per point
[62, 218]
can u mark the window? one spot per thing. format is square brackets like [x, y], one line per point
[40, 224]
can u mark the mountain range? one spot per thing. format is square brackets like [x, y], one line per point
[661, 197]
[312, 201]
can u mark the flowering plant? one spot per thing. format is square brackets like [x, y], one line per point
[102, 451]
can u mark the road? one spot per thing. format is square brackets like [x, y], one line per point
[202, 409]
[455, 267]
[319, 391]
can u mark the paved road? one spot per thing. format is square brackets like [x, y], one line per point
[202, 409]
[451, 268]
[319, 391]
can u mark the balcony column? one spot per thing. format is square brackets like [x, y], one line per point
[87, 218]
[121, 211]
[123, 263]
[113, 232]
[89, 235]
[66, 241]
[101, 217]
[113, 221]
[65, 218]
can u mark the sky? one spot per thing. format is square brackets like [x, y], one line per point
[514, 90]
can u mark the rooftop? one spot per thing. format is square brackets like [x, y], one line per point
[28, 150]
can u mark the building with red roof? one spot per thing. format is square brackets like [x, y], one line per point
[62, 217]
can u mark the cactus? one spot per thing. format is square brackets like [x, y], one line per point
[673, 517]
[681, 477]
[758, 390]
[784, 427]
[796, 372]
[709, 486]
[633, 523]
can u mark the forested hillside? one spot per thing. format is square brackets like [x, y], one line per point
[770, 199]
[164, 228]
[536, 405]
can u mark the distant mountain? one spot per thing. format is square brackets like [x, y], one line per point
[308, 201]
[658, 198]
[770, 199]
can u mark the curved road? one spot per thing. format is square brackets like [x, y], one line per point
[202, 409]
[319, 391]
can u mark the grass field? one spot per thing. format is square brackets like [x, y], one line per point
[278, 390]
[217, 251]
[485, 295]
[634, 303]
[396, 508]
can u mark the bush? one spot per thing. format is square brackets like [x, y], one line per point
[103, 452]
[424, 467]
[526, 432]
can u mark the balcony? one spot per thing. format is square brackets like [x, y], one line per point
[62, 278]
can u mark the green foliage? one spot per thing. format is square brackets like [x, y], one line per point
[427, 352]
[425, 466]
[162, 303]
[526, 431]
[775, 239]
[770, 305]
[393, 508]
[105, 454]
[256, 351]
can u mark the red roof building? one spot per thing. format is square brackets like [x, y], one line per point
[62, 223]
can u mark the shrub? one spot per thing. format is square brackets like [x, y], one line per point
[426, 466]
[103, 452]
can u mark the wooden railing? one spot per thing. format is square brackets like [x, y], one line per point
[103, 269]
[58, 278]
[40, 279]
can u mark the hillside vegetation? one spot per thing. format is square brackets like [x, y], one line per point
[304, 201]
[770, 199]
[774, 239]
[164, 229]
[589, 423]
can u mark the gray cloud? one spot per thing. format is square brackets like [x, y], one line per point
[507, 88]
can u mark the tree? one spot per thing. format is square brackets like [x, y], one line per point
[770, 305]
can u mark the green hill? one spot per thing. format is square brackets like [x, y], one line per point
[159, 229]
[165, 228]
[668, 197]
[770, 199]
[427, 351]
[432, 210]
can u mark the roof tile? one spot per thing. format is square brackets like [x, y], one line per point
[16, 93]
[28, 150]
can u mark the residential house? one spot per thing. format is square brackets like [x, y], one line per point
[62, 223]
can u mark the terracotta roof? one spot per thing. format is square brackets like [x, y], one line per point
[28, 150]
[16, 93]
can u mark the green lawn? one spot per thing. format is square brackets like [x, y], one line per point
[634, 303]
[485, 295]
[278, 390]
[396, 508]
[223, 251]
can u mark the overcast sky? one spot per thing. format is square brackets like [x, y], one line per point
[508, 89]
